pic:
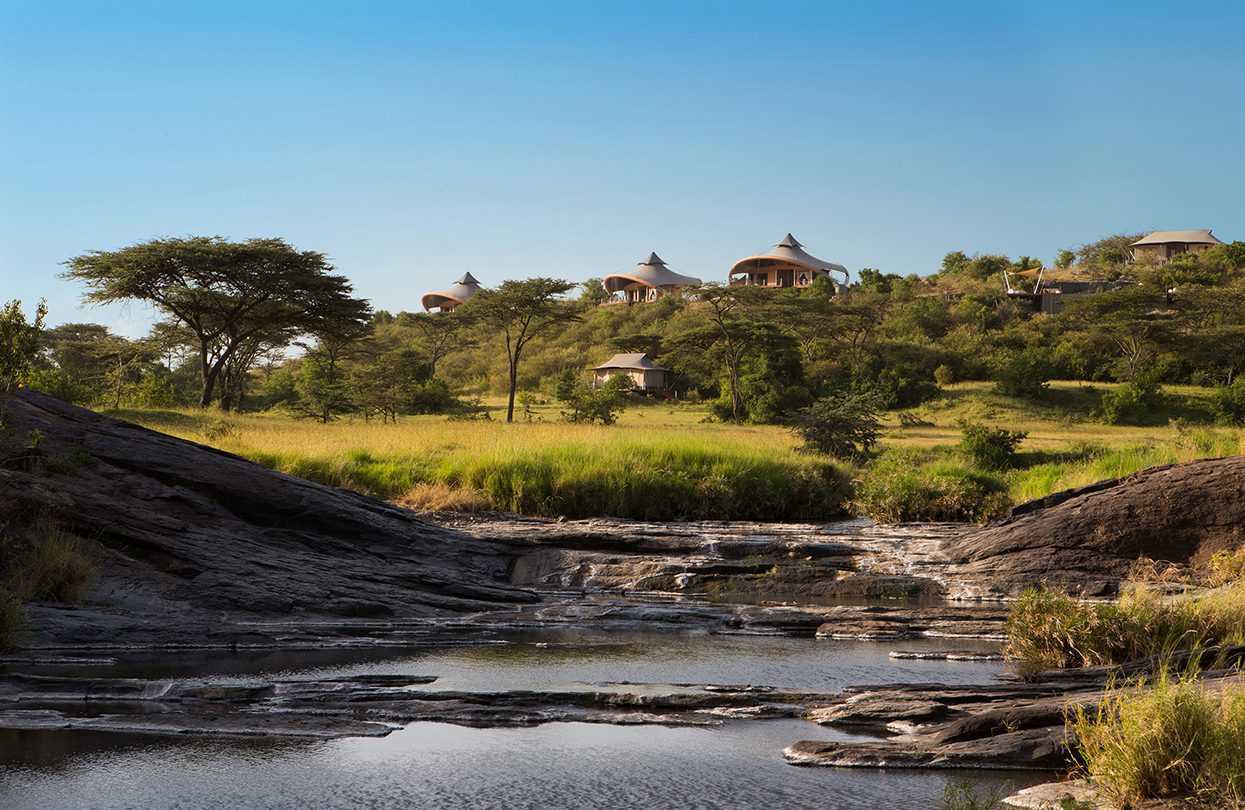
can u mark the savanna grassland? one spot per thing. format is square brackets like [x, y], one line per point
[668, 460]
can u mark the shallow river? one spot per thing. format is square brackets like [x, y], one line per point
[559, 765]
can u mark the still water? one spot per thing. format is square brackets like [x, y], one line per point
[560, 765]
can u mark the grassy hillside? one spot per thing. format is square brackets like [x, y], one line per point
[664, 460]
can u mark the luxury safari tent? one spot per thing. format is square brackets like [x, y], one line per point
[646, 376]
[446, 300]
[650, 280]
[787, 265]
[1162, 246]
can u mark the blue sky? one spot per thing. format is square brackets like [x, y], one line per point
[412, 142]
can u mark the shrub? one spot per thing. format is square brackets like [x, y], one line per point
[55, 568]
[588, 404]
[1025, 374]
[1131, 401]
[844, 425]
[899, 386]
[899, 490]
[1228, 404]
[989, 447]
[61, 384]
[1169, 738]
[944, 375]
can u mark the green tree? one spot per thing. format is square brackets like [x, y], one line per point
[1065, 259]
[844, 425]
[19, 345]
[224, 293]
[522, 311]
[592, 291]
[439, 333]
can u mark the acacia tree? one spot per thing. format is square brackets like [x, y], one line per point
[439, 333]
[225, 293]
[520, 311]
[732, 321]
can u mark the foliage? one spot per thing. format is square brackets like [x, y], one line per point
[588, 404]
[1053, 631]
[899, 489]
[1169, 737]
[993, 448]
[1133, 401]
[19, 343]
[237, 299]
[1228, 404]
[521, 311]
[963, 794]
[1025, 374]
[844, 426]
[592, 291]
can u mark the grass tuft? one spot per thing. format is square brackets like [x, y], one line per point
[1169, 737]
[55, 568]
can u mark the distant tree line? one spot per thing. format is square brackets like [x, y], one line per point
[258, 325]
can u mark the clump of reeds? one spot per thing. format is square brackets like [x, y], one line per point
[1169, 737]
[1053, 631]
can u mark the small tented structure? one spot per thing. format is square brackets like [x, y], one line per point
[787, 265]
[645, 375]
[1162, 246]
[650, 280]
[446, 300]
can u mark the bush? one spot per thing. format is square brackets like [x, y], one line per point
[1025, 374]
[1132, 401]
[898, 387]
[989, 447]
[1228, 404]
[61, 384]
[899, 490]
[1169, 738]
[944, 375]
[588, 404]
[844, 425]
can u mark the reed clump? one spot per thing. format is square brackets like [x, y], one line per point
[1172, 736]
[1053, 631]
[55, 568]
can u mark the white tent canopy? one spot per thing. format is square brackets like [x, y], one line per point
[460, 291]
[787, 254]
[652, 273]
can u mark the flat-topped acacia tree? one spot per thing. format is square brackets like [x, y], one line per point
[521, 310]
[228, 295]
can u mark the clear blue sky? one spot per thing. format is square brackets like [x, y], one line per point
[412, 142]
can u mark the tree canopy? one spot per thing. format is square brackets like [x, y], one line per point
[236, 299]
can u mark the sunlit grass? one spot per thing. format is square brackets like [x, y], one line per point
[668, 459]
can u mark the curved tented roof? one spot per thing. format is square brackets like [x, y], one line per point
[787, 252]
[460, 291]
[652, 272]
[629, 361]
[1182, 237]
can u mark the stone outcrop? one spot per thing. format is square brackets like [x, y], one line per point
[1084, 541]
[184, 535]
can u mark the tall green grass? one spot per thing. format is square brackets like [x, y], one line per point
[1053, 631]
[1169, 738]
[671, 480]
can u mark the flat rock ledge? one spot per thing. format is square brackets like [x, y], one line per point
[1057, 796]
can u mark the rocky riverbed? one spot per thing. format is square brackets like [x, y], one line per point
[201, 550]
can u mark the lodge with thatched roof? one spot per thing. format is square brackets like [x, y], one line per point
[650, 280]
[787, 265]
[446, 300]
[646, 376]
[1163, 246]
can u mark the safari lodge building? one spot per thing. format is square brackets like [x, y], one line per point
[1162, 246]
[650, 280]
[787, 265]
[646, 376]
[447, 300]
